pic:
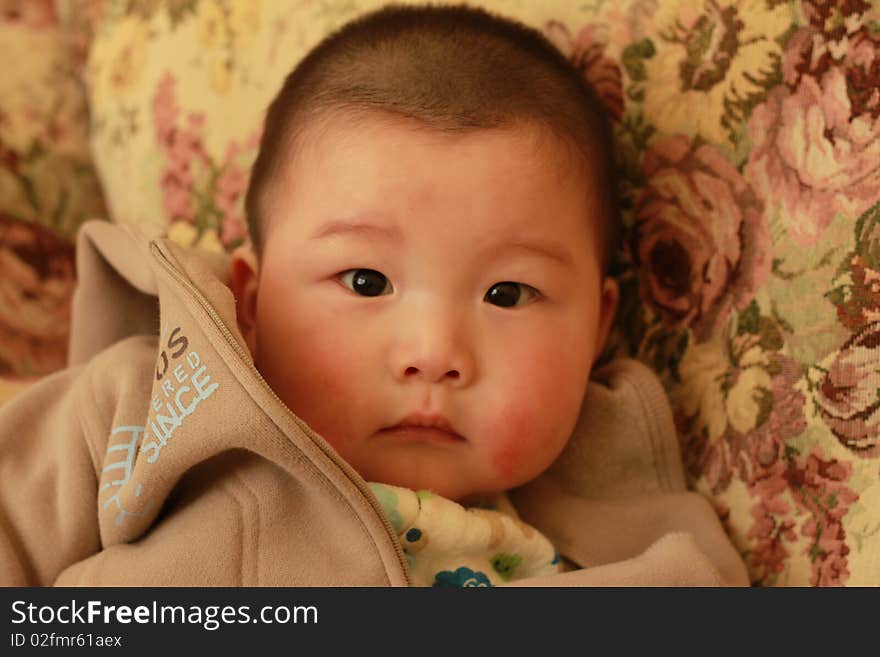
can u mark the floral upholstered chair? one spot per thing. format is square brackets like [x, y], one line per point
[749, 147]
[48, 186]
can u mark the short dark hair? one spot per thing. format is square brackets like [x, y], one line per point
[452, 68]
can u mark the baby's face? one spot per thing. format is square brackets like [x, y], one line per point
[414, 278]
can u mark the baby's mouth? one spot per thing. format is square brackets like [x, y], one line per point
[418, 427]
[421, 434]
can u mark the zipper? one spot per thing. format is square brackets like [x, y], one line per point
[245, 357]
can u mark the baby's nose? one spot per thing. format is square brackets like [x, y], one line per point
[431, 373]
[434, 353]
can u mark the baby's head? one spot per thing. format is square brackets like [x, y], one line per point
[432, 212]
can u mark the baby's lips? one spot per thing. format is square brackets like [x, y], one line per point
[427, 422]
[410, 433]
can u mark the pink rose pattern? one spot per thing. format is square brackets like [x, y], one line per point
[34, 14]
[700, 244]
[701, 224]
[816, 140]
[49, 188]
[847, 396]
[587, 52]
[37, 277]
[793, 493]
[195, 188]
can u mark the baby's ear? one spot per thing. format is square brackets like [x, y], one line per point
[244, 280]
[607, 308]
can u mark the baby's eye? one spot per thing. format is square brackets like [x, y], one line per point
[509, 294]
[366, 282]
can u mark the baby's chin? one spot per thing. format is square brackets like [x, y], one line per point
[460, 491]
[458, 474]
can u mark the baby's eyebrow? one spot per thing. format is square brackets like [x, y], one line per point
[545, 250]
[552, 251]
[344, 227]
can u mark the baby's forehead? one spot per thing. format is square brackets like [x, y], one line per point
[335, 146]
[335, 132]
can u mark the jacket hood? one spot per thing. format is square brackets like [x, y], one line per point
[206, 401]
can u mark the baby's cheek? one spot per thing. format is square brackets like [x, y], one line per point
[514, 445]
[507, 457]
[533, 422]
[319, 380]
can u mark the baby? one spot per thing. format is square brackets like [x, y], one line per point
[432, 210]
[432, 214]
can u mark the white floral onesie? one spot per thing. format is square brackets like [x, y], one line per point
[447, 544]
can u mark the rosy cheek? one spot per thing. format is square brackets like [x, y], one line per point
[507, 457]
[514, 441]
[312, 372]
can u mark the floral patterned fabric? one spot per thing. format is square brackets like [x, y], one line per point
[450, 545]
[749, 146]
[48, 187]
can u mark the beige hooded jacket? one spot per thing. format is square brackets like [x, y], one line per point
[161, 457]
